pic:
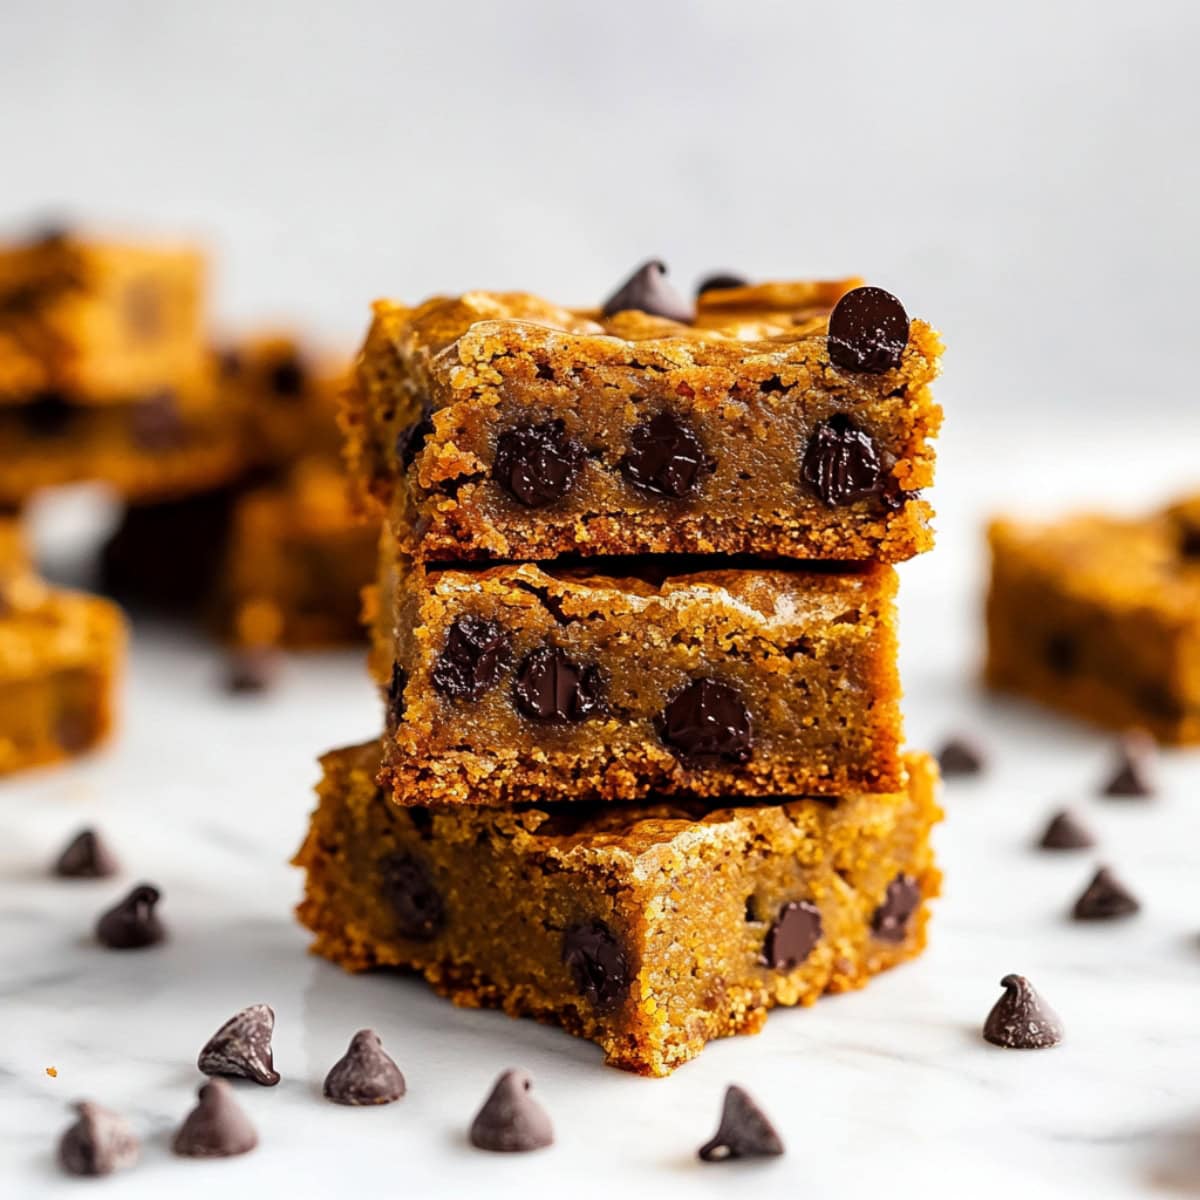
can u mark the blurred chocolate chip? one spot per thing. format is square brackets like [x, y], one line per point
[229, 363]
[47, 234]
[1189, 541]
[133, 923]
[961, 755]
[252, 669]
[665, 457]
[597, 964]
[648, 291]
[98, 1143]
[395, 696]
[551, 686]
[1065, 831]
[365, 1074]
[511, 1120]
[75, 728]
[1062, 653]
[720, 281]
[476, 653]
[156, 424]
[48, 414]
[410, 441]
[1134, 772]
[744, 1131]
[216, 1127]
[407, 886]
[889, 923]
[288, 376]
[841, 463]
[868, 330]
[537, 465]
[1021, 1019]
[794, 936]
[241, 1048]
[86, 856]
[708, 720]
[1104, 898]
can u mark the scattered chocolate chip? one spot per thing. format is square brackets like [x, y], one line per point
[1065, 831]
[1104, 898]
[1021, 1019]
[719, 281]
[48, 414]
[253, 669]
[648, 291]
[407, 886]
[477, 652]
[551, 686]
[395, 696]
[98, 1143]
[410, 441]
[841, 463]
[288, 376]
[133, 923]
[537, 465]
[1134, 772]
[511, 1120]
[597, 964]
[868, 330]
[889, 923]
[86, 856]
[744, 1131]
[216, 1127]
[241, 1048]
[665, 457]
[794, 936]
[365, 1074]
[156, 424]
[708, 720]
[961, 755]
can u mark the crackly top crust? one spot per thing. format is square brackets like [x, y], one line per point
[44, 628]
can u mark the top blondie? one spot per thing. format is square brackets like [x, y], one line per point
[784, 419]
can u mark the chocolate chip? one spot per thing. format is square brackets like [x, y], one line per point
[48, 235]
[216, 1127]
[287, 376]
[252, 669]
[241, 1048]
[511, 1120]
[156, 424]
[410, 441]
[1104, 898]
[648, 291]
[1134, 772]
[744, 1131]
[665, 457]
[841, 463]
[98, 1143]
[794, 936]
[365, 1074]
[1021, 1019]
[889, 922]
[551, 686]
[1189, 541]
[86, 856]
[708, 720]
[1062, 653]
[961, 755]
[1065, 831]
[395, 696]
[537, 465]
[407, 886]
[230, 363]
[597, 964]
[719, 282]
[868, 330]
[133, 923]
[476, 653]
[48, 414]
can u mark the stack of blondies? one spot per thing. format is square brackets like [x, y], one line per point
[641, 773]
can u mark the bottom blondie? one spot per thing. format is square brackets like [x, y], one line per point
[650, 929]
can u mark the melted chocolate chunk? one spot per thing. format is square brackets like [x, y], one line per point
[889, 923]
[551, 686]
[708, 721]
[288, 376]
[1065, 831]
[868, 330]
[794, 936]
[744, 1131]
[133, 923]
[48, 414]
[841, 463]
[98, 1143]
[511, 1121]
[241, 1048]
[407, 886]
[410, 441]
[395, 696]
[476, 654]
[1105, 898]
[1021, 1019]
[365, 1074]
[720, 281]
[537, 465]
[216, 1127]
[665, 457]
[597, 964]
[86, 856]
[648, 291]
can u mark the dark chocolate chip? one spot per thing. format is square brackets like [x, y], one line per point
[1189, 541]
[648, 291]
[216, 1127]
[48, 414]
[551, 686]
[365, 1074]
[894, 497]
[1021, 1019]
[410, 441]
[1134, 772]
[1062, 653]
[720, 281]
[1104, 898]
[407, 886]
[665, 457]
[156, 424]
[744, 1131]
[133, 923]
[241, 1048]
[86, 856]
[537, 465]
[288, 376]
[395, 696]
[1065, 831]
[707, 721]
[597, 964]
[98, 1143]
[794, 936]
[868, 330]
[47, 234]
[841, 463]
[511, 1120]
[961, 755]
[476, 653]
[889, 923]
[252, 669]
